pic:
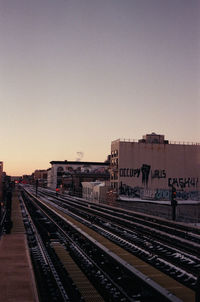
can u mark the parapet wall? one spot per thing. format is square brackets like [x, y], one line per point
[189, 213]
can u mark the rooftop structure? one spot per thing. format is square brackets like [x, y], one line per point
[153, 138]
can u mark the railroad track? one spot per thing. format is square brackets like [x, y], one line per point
[114, 278]
[49, 281]
[169, 254]
[177, 229]
[189, 233]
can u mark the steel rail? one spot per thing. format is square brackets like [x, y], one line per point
[150, 283]
[42, 250]
[150, 230]
[149, 255]
[77, 250]
[175, 263]
[190, 233]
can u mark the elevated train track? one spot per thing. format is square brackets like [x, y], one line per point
[124, 249]
[174, 255]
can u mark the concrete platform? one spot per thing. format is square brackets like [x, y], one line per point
[16, 273]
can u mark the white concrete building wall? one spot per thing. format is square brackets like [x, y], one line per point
[54, 176]
[49, 179]
[92, 190]
[155, 166]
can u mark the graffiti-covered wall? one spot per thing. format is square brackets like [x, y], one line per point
[155, 167]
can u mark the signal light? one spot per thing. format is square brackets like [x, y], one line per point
[173, 197]
[174, 194]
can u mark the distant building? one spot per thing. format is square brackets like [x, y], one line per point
[72, 182]
[95, 191]
[70, 174]
[16, 179]
[1, 180]
[41, 176]
[148, 168]
[27, 179]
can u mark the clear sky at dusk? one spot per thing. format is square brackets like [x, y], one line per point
[77, 74]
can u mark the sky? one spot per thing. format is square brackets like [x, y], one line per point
[78, 74]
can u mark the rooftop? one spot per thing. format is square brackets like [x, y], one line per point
[169, 142]
[66, 162]
[154, 138]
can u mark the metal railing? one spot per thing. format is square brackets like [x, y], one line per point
[183, 143]
[169, 142]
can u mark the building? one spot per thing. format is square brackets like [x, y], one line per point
[41, 177]
[70, 174]
[1, 180]
[16, 179]
[148, 168]
[28, 179]
[95, 191]
[72, 182]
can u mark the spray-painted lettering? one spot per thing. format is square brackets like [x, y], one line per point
[129, 191]
[183, 182]
[162, 194]
[126, 172]
[158, 174]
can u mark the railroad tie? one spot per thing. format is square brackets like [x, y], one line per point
[87, 290]
[179, 290]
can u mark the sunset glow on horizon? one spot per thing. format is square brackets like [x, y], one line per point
[76, 75]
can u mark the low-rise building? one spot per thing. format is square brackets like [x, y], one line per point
[41, 177]
[72, 182]
[95, 191]
[72, 173]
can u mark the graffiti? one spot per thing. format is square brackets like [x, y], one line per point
[158, 174]
[145, 170]
[183, 182]
[86, 169]
[182, 195]
[126, 172]
[163, 194]
[159, 194]
[148, 193]
[129, 191]
[145, 174]
[193, 195]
